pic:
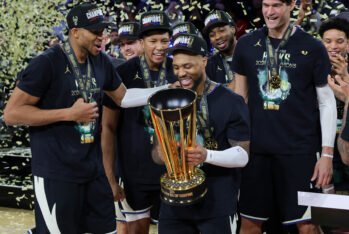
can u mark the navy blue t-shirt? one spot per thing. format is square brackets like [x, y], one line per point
[284, 120]
[215, 69]
[134, 148]
[56, 149]
[229, 117]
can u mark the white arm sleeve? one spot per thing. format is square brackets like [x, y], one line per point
[233, 157]
[328, 114]
[139, 97]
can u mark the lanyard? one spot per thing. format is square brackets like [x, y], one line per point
[203, 116]
[146, 74]
[229, 76]
[82, 83]
[273, 55]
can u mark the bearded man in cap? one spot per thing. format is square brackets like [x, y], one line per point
[60, 93]
[227, 128]
[220, 28]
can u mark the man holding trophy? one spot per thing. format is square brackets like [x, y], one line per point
[215, 139]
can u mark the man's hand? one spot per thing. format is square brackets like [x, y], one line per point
[323, 172]
[339, 87]
[304, 10]
[340, 66]
[118, 192]
[83, 112]
[196, 155]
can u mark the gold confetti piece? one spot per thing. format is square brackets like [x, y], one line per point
[244, 11]
[191, 8]
[206, 7]
[257, 19]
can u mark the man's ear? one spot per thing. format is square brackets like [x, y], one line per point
[204, 60]
[142, 42]
[233, 29]
[74, 32]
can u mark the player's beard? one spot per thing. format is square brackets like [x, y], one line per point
[197, 82]
[230, 46]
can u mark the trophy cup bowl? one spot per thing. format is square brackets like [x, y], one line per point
[170, 101]
[173, 113]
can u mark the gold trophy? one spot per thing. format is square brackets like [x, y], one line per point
[173, 112]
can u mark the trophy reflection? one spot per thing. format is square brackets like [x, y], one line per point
[173, 112]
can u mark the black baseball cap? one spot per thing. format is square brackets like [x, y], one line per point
[129, 30]
[154, 20]
[184, 28]
[217, 18]
[191, 43]
[87, 16]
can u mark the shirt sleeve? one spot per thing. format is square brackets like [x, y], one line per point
[108, 102]
[37, 76]
[113, 80]
[239, 122]
[238, 59]
[322, 66]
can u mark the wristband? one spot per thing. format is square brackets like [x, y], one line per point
[326, 155]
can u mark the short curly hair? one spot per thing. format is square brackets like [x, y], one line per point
[335, 23]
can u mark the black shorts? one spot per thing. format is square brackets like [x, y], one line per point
[219, 225]
[269, 179]
[143, 201]
[63, 207]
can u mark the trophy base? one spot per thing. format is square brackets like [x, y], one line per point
[183, 192]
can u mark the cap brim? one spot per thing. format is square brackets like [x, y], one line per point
[100, 25]
[209, 27]
[155, 28]
[128, 37]
[183, 48]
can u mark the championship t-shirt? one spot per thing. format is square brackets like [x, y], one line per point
[57, 151]
[284, 120]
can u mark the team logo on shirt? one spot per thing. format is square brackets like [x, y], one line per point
[67, 70]
[137, 77]
[258, 43]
